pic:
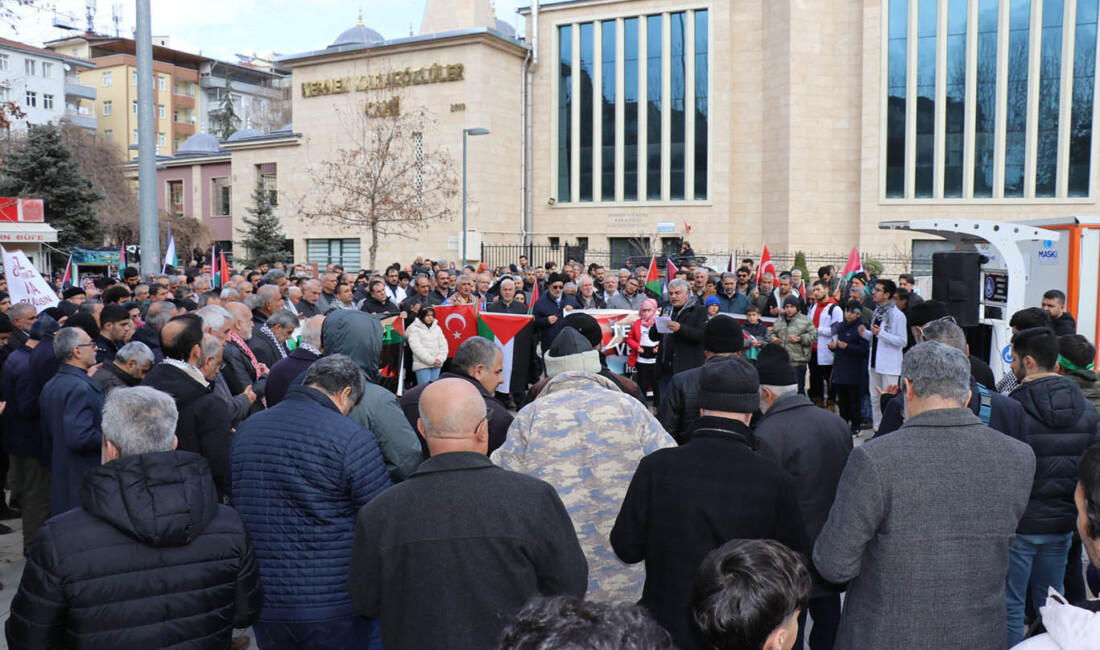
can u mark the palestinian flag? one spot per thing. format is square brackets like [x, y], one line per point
[215, 277]
[653, 278]
[514, 334]
[67, 277]
[459, 322]
[670, 273]
[534, 298]
[854, 265]
[391, 365]
[224, 269]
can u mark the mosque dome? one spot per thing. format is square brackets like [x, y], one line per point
[358, 35]
[244, 134]
[200, 143]
[506, 29]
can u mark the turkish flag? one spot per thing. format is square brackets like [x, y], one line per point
[459, 322]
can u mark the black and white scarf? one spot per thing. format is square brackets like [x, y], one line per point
[266, 331]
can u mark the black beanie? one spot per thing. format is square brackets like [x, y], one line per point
[557, 277]
[588, 326]
[84, 321]
[925, 312]
[722, 335]
[5, 324]
[729, 384]
[790, 300]
[72, 291]
[774, 366]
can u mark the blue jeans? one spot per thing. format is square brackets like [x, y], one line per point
[1042, 559]
[350, 633]
[425, 375]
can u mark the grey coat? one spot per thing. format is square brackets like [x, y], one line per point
[921, 527]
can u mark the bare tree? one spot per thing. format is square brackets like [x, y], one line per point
[385, 179]
[102, 162]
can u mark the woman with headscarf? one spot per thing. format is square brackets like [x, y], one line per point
[643, 350]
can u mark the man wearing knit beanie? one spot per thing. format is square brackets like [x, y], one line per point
[687, 501]
[722, 337]
[812, 445]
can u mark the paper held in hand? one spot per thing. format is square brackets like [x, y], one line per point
[662, 325]
[25, 283]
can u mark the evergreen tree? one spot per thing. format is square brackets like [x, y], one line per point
[225, 120]
[800, 264]
[42, 167]
[263, 237]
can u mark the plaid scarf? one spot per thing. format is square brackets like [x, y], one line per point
[236, 338]
[266, 331]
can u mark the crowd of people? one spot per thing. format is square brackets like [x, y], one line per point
[192, 455]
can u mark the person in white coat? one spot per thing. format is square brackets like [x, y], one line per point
[428, 344]
[1076, 626]
[887, 336]
[824, 313]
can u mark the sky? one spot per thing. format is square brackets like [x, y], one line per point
[223, 28]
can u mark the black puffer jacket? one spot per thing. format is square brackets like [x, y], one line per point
[149, 560]
[1061, 425]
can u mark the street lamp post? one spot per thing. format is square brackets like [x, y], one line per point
[466, 132]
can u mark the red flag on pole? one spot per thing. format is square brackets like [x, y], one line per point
[766, 265]
[459, 322]
[534, 298]
[225, 270]
[671, 270]
[67, 278]
[853, 266]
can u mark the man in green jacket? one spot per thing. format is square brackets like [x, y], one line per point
[796, 333]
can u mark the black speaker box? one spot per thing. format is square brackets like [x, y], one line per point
[956, 281]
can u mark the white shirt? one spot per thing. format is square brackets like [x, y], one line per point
[886, 359]
[396, 294]
[833, 313]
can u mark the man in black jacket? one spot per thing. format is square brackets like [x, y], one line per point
[722, 337]
[203, 424]
[128, 368]
[239, 370]
[378, 301]
[686, 501]
[159, 313]
[149, 559]
[682, 348]
[507, 303]
[115, 327]
[812, 445]
[268, 341]
[996, 410]
[1061, 424]
[480, 362]
[467, 565]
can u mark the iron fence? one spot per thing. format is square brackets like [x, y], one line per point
[537, 255]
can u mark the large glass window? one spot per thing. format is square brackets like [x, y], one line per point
[1050, 77]
[565, 110]
[926, 97]
[1084, 71]
[587, 69]
[1019, 40]
[343, 252]
[895, 99]
[631, 106]
[985, 104]
[653, 107]
[702, 40]
[607, 152]
[955, 108]
[678, 89]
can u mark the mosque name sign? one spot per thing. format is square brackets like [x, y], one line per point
[431, 74]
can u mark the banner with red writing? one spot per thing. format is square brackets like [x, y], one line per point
[25, 283]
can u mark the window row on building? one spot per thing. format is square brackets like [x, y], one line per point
[631, 109]
[989, 98]
[31, 67]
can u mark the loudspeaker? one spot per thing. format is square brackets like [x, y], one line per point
[956, 281]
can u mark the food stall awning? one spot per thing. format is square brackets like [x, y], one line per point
[26, 232]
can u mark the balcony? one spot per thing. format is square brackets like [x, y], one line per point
[74, 89]
[183, 128]
[83, 121]
[183, 100]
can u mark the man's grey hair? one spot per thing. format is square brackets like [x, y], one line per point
[937, 369]
[22, 310]
[679, 283]
[211, 346]
[769, 276]
[726, 275]
[311, 332]
[267, 294]
[140, 420]
[65, 341]
[284, 319]
[230, 294]
[163, 277]
[251, 300]
[272, 276]
[87, 307]
[475, 351]
[312, 284]
[334, 373]
[184, 291]
[780, 391]
[508, 281]
[159, 313]
[214, 318]
[703, 271]
[946, 332]
[135, 351]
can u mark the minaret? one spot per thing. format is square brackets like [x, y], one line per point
[449, 15]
